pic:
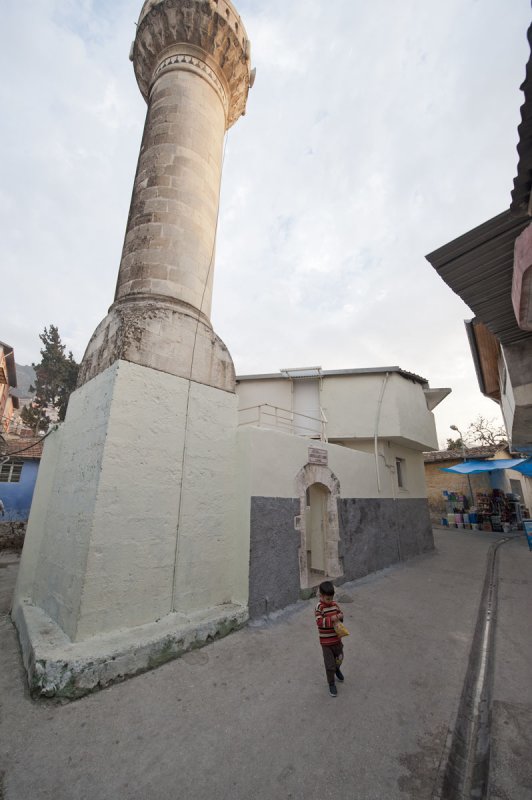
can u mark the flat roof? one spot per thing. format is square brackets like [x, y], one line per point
[336, 372]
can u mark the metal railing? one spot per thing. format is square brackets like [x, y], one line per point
[296, 423]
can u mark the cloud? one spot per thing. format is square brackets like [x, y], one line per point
[374, 134]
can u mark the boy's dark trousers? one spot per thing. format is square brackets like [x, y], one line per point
[333, 655]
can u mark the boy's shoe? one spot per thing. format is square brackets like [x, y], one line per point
[339, 675]
[333, 691]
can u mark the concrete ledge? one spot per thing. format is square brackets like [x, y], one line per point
[57, 667]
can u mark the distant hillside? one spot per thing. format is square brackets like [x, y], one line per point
[25, 379]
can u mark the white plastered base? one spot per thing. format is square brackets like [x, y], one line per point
[131, 545]
[55, 666]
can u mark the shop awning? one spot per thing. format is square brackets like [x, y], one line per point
[473, 467]
[526, 468]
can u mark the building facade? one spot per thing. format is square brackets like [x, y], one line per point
[8, 381]
[333, 462]
[18, 474]
[441, 484]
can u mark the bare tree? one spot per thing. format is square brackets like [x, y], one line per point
[483, 431]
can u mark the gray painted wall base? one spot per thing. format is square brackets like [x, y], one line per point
[273, 555]
[374, 534]
[377, 533]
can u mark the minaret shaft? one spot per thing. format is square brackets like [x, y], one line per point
[170, 239]
[192, 65]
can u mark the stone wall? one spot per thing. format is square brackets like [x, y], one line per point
[273, 555]
[12, 535]
[374, 534]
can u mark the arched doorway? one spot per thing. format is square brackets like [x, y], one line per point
[316, 525]
[318, 489]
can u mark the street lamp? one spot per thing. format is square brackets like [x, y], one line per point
[455, 428]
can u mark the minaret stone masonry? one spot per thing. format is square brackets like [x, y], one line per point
[192, 64]
[136, 548]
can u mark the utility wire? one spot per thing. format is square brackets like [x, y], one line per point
[4, 459]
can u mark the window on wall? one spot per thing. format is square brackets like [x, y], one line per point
[400, 469]
[11, 471]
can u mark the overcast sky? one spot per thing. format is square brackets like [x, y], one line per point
[376, 132]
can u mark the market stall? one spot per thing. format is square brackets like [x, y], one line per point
[493, 510]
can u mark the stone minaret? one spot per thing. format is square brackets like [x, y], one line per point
[136, 546]
[192, 63]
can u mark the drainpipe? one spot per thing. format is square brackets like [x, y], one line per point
[323, 418]
[390, 467]
[377, 422]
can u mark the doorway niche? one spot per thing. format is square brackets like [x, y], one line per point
[318, 490]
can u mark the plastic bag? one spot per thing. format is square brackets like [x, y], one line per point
[341, 630]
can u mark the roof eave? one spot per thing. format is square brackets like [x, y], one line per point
[523, 181]
[478, 267]
[340, 372]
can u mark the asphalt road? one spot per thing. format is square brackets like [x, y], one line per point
[511, 727]
[250, 717]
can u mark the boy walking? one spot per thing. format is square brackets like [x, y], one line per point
[327, 614]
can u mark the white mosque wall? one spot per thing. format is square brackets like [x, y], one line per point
[369, 526]
[121, 534]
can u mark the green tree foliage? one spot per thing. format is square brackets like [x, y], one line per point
[455, 444]
[56, 377]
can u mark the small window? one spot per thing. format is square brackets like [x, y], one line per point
[10, 471]
[400, 469]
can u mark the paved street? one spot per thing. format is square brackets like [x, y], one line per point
[250, 718]
[511, 767]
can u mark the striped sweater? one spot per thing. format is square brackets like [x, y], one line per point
[326, 614]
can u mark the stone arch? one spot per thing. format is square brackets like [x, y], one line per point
[313, 475]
